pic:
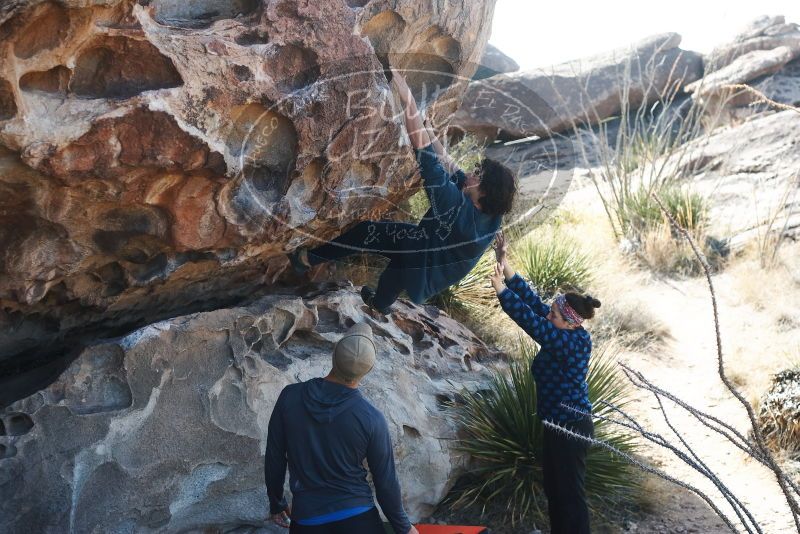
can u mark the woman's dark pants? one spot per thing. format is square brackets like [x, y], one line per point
[564, 471]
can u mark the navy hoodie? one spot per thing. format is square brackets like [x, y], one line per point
[452, 235]
[324, 431]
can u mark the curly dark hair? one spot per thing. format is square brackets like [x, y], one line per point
[498, 186]
[583, 304]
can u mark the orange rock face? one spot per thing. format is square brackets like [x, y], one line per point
[162, 156]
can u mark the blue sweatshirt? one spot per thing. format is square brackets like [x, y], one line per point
[324, 431]
[453, 234]
[562, 363]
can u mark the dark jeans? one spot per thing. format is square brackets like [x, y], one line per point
[367, 523]
[564, 471]
[399, 242]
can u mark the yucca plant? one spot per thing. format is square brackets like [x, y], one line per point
[503, 437]
[642, 214]
[470, 296]
[688, 208]
[552, 262]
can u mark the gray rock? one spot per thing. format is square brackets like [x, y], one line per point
[764, 33]
[749, 172]
[783, 87]
[494, 62]
[763, 57]
[743, 69]
[542, 102]
[165, 428]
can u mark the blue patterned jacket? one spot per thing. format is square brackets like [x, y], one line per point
[561, 366]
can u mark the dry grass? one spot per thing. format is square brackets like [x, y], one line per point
[766, 287]
[763, 337]
[631, 324]
[617, 281]
[664, 254]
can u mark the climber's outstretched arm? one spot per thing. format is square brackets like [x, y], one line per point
[416, 130]
[448, 163]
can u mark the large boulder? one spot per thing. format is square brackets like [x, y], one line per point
[764, 33]
[765, 56]
[164, 429]
[738, 164]
[543, 102]
[162, 156]
[742, 69]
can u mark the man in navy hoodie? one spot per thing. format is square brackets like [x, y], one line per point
[324, 429]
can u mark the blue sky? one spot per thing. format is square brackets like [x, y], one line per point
[539, 33]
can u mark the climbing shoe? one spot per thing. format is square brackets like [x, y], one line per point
[368, 296]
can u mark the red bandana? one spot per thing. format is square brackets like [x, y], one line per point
[569, 314]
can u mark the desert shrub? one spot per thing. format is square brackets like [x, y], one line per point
[503, 437]
[656, 242]
[641, 214]
[470, 296]
[777, 415]
[631, 324]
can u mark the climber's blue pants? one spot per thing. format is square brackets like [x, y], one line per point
[389, 239]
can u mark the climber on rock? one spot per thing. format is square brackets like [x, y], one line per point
[324, 429]
[426, 258]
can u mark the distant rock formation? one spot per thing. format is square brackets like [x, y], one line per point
[543, 102]
[162, 156]
[494, 62]
[765, 56]
[165, 428]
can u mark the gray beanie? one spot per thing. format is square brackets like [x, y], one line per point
[354, 353]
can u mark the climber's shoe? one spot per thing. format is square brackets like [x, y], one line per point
[296, 258]
[368, 296]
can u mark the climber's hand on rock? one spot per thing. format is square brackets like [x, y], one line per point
[402, 87]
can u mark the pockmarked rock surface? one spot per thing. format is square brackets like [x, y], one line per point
[164, 429]
[159, 155]
[543, 102]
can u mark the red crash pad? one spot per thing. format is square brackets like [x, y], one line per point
[447, 529]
